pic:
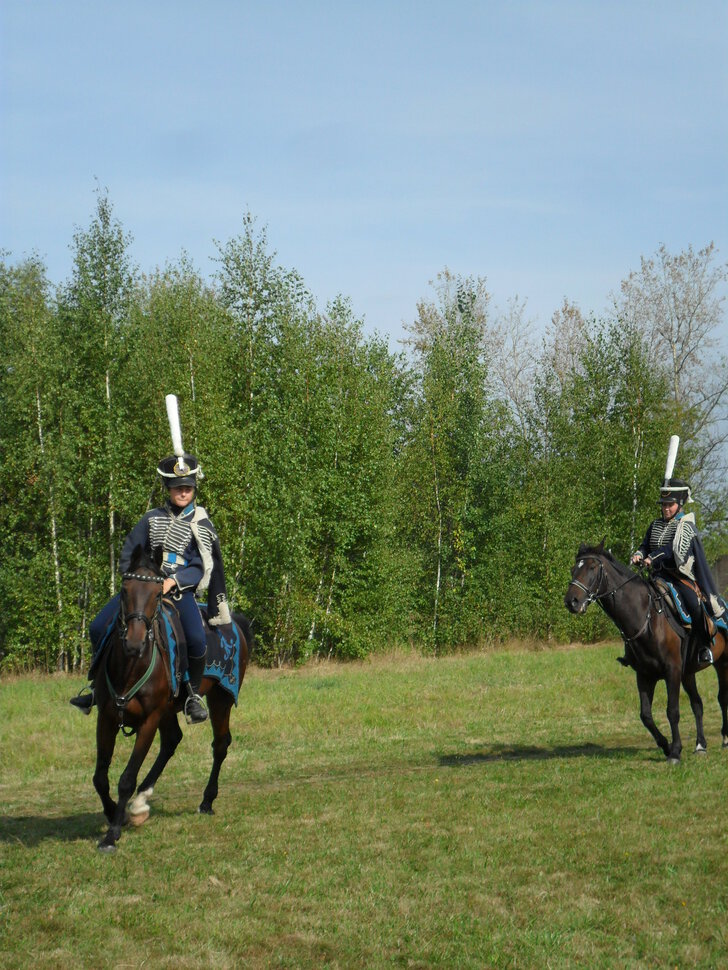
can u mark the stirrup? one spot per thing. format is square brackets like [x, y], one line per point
[195, 711]
[84, 700]
[705, 656]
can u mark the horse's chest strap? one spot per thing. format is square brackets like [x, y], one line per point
[121, 700]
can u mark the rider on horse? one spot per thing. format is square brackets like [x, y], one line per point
[191, 563]
[673, 549]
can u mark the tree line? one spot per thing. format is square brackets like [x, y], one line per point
[364, 498]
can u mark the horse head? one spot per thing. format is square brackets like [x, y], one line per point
[141, 595]
[587, 578]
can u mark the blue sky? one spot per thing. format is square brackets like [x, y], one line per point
[543, 145]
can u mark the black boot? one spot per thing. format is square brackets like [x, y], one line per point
[705, 656]
[84, 700]
[195, 710]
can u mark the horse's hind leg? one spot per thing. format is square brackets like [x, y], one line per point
[170, 735]
[646, 688]
[219, 704]
[691, 688]
[721, 669]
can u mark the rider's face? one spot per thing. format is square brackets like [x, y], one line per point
[669, 510]
[181, 495]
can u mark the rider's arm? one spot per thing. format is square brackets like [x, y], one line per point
[189, 575]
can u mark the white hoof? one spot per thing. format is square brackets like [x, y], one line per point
[725, 741]
[139, 806]
[700, 749]
[138, 818]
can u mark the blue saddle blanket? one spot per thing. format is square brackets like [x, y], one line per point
[681, 610]
[222, 661]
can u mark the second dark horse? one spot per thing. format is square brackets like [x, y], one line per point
[133, 693]
[655, 647]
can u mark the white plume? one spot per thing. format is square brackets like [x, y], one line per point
[671, 456]
[174, 425]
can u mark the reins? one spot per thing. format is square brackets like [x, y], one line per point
[121, 700]
[594, 596]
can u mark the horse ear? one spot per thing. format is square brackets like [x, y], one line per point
[136, 555]
[158, 556]
[601, 544]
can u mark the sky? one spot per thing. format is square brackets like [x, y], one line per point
[545, 146]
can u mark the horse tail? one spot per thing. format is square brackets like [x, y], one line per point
[246, 626]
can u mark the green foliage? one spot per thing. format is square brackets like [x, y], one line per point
[362, 498]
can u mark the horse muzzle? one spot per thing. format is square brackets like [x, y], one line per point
[574, 604]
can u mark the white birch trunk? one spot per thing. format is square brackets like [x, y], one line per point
[61, 658]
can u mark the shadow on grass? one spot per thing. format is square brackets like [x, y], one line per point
[33, 829]
[504, 752]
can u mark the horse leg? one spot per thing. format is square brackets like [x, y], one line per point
[127, 782]
[106, 731]
[170, 735]
[646, 688]
[721, 669]
[219, 705]
[672, 681]
[691, 688]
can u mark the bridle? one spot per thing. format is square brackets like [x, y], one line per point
[126, 618]
[592, 592]
[122, 700]
[594, 596]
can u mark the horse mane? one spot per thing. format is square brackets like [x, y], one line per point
[622, 569]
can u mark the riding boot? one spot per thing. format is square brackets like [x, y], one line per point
[84, 700]
[195, 710]
[705, 655]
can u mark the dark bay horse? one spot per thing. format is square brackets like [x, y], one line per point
[656, 646]
[133, 693]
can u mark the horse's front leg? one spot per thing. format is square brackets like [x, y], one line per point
[106, 731]
[127, 781]
[170, 735]
[691, 689]
[646, 688]
[673, 680]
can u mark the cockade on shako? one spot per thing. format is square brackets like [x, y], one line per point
[672, 620]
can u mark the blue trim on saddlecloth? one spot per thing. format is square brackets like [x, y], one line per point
[682, 613]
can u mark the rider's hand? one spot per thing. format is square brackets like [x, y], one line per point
[636, 558]
[168, 584]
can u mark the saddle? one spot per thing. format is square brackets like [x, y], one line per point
[222, 661]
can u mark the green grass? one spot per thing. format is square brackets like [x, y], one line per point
[491, 810]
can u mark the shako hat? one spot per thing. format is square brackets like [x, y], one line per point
[675, 490]
[179, 470]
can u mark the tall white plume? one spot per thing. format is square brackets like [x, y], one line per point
[174, 425]
[671, 456]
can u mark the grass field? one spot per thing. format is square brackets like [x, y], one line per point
[493, 810]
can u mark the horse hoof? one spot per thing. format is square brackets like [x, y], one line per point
[205, 810]
[699, 749]
[108, 849]
[673, 761]
[138, 818]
